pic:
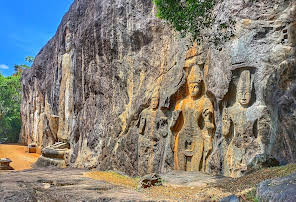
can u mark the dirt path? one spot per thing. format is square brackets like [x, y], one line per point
[21, 159]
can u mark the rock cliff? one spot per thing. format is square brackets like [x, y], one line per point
[127, 93]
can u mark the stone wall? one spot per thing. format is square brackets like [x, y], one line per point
[127, 93]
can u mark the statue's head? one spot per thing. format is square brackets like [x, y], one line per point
[244, 88]
[68, 40]
[155, 99]
[195, 83]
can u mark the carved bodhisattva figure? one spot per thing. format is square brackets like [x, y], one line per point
[236, 126]
[153, 132]
[192, 125]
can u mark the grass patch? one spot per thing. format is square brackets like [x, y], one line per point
[113, 178]
[185, 193]
[251, 196]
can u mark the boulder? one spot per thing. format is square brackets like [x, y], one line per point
[232, 198]
[279, 189]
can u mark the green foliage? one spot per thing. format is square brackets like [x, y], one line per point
[30, 59]
[10, 99]
[20, 68]
[251, 195]
[194, 17]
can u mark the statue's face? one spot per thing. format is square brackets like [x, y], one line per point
[244, 97]
[154, 102]
[194, 89]
[68, 39]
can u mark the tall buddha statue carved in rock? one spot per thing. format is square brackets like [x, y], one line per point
[193, 126]
[66, 91]
[58, 153]
[153, 132]
[236, 126]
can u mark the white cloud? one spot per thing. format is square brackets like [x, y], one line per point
[2, 66]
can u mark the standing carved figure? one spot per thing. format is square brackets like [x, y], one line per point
[153, 131]
[66, 91]
[236, 126]
[192, 124]
[58, 153]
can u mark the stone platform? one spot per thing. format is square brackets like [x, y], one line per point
[4, 164]
[53, 155]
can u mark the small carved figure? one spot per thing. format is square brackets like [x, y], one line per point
[153, 130]
[192, 124]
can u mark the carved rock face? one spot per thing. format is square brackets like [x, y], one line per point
[95, 93]
[154, 102]
[244, 88]
[194, 89]
[244, 98]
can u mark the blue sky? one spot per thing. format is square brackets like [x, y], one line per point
[26, 26]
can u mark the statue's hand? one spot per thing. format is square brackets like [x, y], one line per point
[206, 114]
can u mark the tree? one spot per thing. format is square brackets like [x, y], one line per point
[30, 59]
[10, 101]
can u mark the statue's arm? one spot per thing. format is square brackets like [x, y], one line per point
[174, 119]
[142, 124]
[226, 123]
[207, 115]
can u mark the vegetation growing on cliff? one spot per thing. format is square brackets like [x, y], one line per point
[10, 101]
[195, 18]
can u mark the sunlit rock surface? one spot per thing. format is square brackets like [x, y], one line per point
[92, 86]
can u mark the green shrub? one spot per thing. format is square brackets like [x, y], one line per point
[191, 17]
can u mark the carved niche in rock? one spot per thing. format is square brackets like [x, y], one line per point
[66, 90]
[153, 132]
[192, 125]
[238, 130]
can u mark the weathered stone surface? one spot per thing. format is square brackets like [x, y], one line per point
[93, 83]
[60, 185]
[279, 189]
